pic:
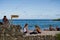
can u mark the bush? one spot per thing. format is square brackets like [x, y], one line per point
[58, 36]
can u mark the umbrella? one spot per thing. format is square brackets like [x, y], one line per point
[13, 16]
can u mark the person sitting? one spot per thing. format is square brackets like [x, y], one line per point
[37, 30]
[25, 30]
[51, 28]
[18, 28]
[57, 28]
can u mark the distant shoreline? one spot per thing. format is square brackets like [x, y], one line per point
[33, 19]
[56, 19]
[37, 19]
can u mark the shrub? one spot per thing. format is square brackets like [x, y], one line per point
[58, 36]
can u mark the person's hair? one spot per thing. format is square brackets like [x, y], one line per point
[4, 16]
[36, 26]
[19, 27]
[25, 25]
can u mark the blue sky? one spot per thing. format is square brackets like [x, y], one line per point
[30, 9]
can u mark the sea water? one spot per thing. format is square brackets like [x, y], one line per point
[42, 23]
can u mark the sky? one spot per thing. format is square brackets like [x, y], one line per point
[30, 9]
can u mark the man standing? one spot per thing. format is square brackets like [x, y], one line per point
[5, 20]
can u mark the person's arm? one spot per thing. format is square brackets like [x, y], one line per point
[27, 30]
[38, 30]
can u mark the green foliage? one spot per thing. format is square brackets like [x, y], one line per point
[58, 36]
[56, 19]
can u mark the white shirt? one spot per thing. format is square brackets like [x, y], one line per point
[24, 30]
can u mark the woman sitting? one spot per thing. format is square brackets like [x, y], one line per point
[37, 30]
[25, 29]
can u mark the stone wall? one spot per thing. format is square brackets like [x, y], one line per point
[15, 35]
[47, 37]
[40, 37]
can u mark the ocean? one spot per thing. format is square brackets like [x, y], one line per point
[42, 23]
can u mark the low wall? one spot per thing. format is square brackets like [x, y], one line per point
[14, 35]
[39, 37]
[47, 37]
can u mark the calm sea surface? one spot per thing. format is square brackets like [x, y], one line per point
[42, 23]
